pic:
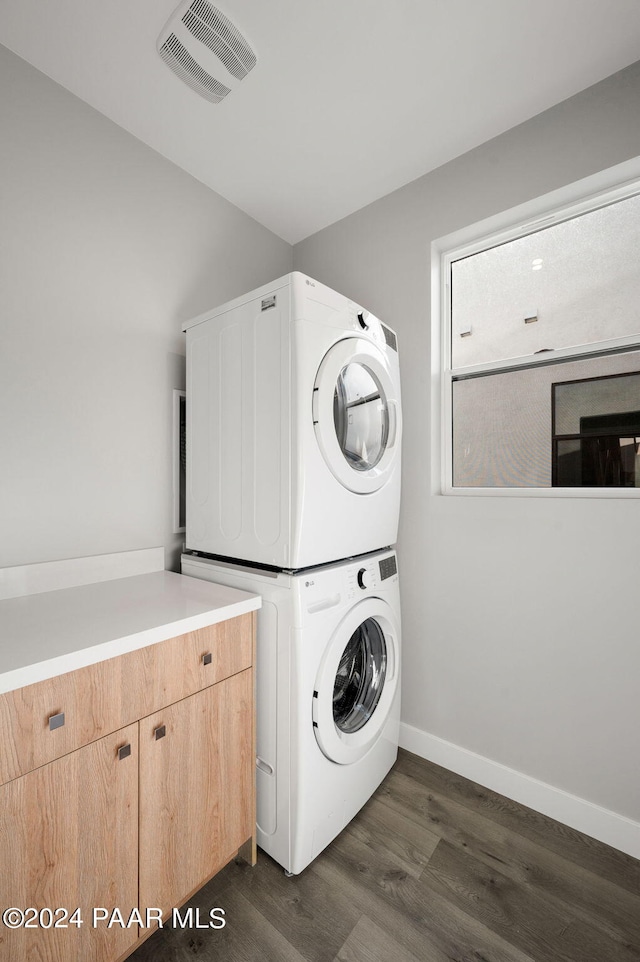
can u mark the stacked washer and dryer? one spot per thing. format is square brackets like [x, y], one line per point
[293, 492]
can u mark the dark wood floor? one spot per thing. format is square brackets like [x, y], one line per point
[434, 868]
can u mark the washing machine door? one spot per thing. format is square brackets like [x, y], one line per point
[357, 681]
[356, 414]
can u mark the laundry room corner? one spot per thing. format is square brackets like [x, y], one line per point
[482, 577]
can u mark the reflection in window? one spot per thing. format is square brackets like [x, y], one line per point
[596, 432]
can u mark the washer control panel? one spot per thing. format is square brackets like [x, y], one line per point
[367, 575]
[388, 567]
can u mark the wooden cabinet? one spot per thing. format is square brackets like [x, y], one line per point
[101, 698]
[69, 839]
[144, 827]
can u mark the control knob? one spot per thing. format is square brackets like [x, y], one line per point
[364, 578]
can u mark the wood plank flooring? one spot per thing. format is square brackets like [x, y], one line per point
[434, 869]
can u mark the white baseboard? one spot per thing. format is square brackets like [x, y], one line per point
[616, 830]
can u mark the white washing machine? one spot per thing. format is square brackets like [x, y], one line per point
[293, 428]
[328, 693]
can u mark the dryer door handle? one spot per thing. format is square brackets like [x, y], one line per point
[393, 423]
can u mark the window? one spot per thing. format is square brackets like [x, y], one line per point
[540, 352]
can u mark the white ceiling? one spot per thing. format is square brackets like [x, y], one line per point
[349, 100]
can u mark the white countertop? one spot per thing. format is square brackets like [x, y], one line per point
[48, 634]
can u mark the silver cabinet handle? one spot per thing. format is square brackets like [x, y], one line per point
[56, 721]
[159, 732]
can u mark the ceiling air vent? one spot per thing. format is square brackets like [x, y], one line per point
[176, 56]
[205, 50]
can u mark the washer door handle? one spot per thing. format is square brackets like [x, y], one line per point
[263, 766]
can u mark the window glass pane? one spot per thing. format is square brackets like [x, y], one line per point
[568, 467]
[571, 284]
[608, 404]
[502, 423]
[597, 462]
[361, 416]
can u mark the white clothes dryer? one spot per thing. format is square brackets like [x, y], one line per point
[328, 695]
[293, 428]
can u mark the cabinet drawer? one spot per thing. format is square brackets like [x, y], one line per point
[51, 718]
[165, 673]
[44, 721]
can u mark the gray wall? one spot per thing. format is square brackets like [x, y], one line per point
[519, 615]
[105, 247]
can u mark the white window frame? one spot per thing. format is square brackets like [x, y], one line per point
[615, 183]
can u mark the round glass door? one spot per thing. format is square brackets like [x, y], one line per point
[357, 681]
[360, 677]
[356, 414]
[360, 416]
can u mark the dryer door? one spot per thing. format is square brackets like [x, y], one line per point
[356, 414]
[357, 681]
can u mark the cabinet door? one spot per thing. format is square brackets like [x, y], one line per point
[196, 789]
[68, 839]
